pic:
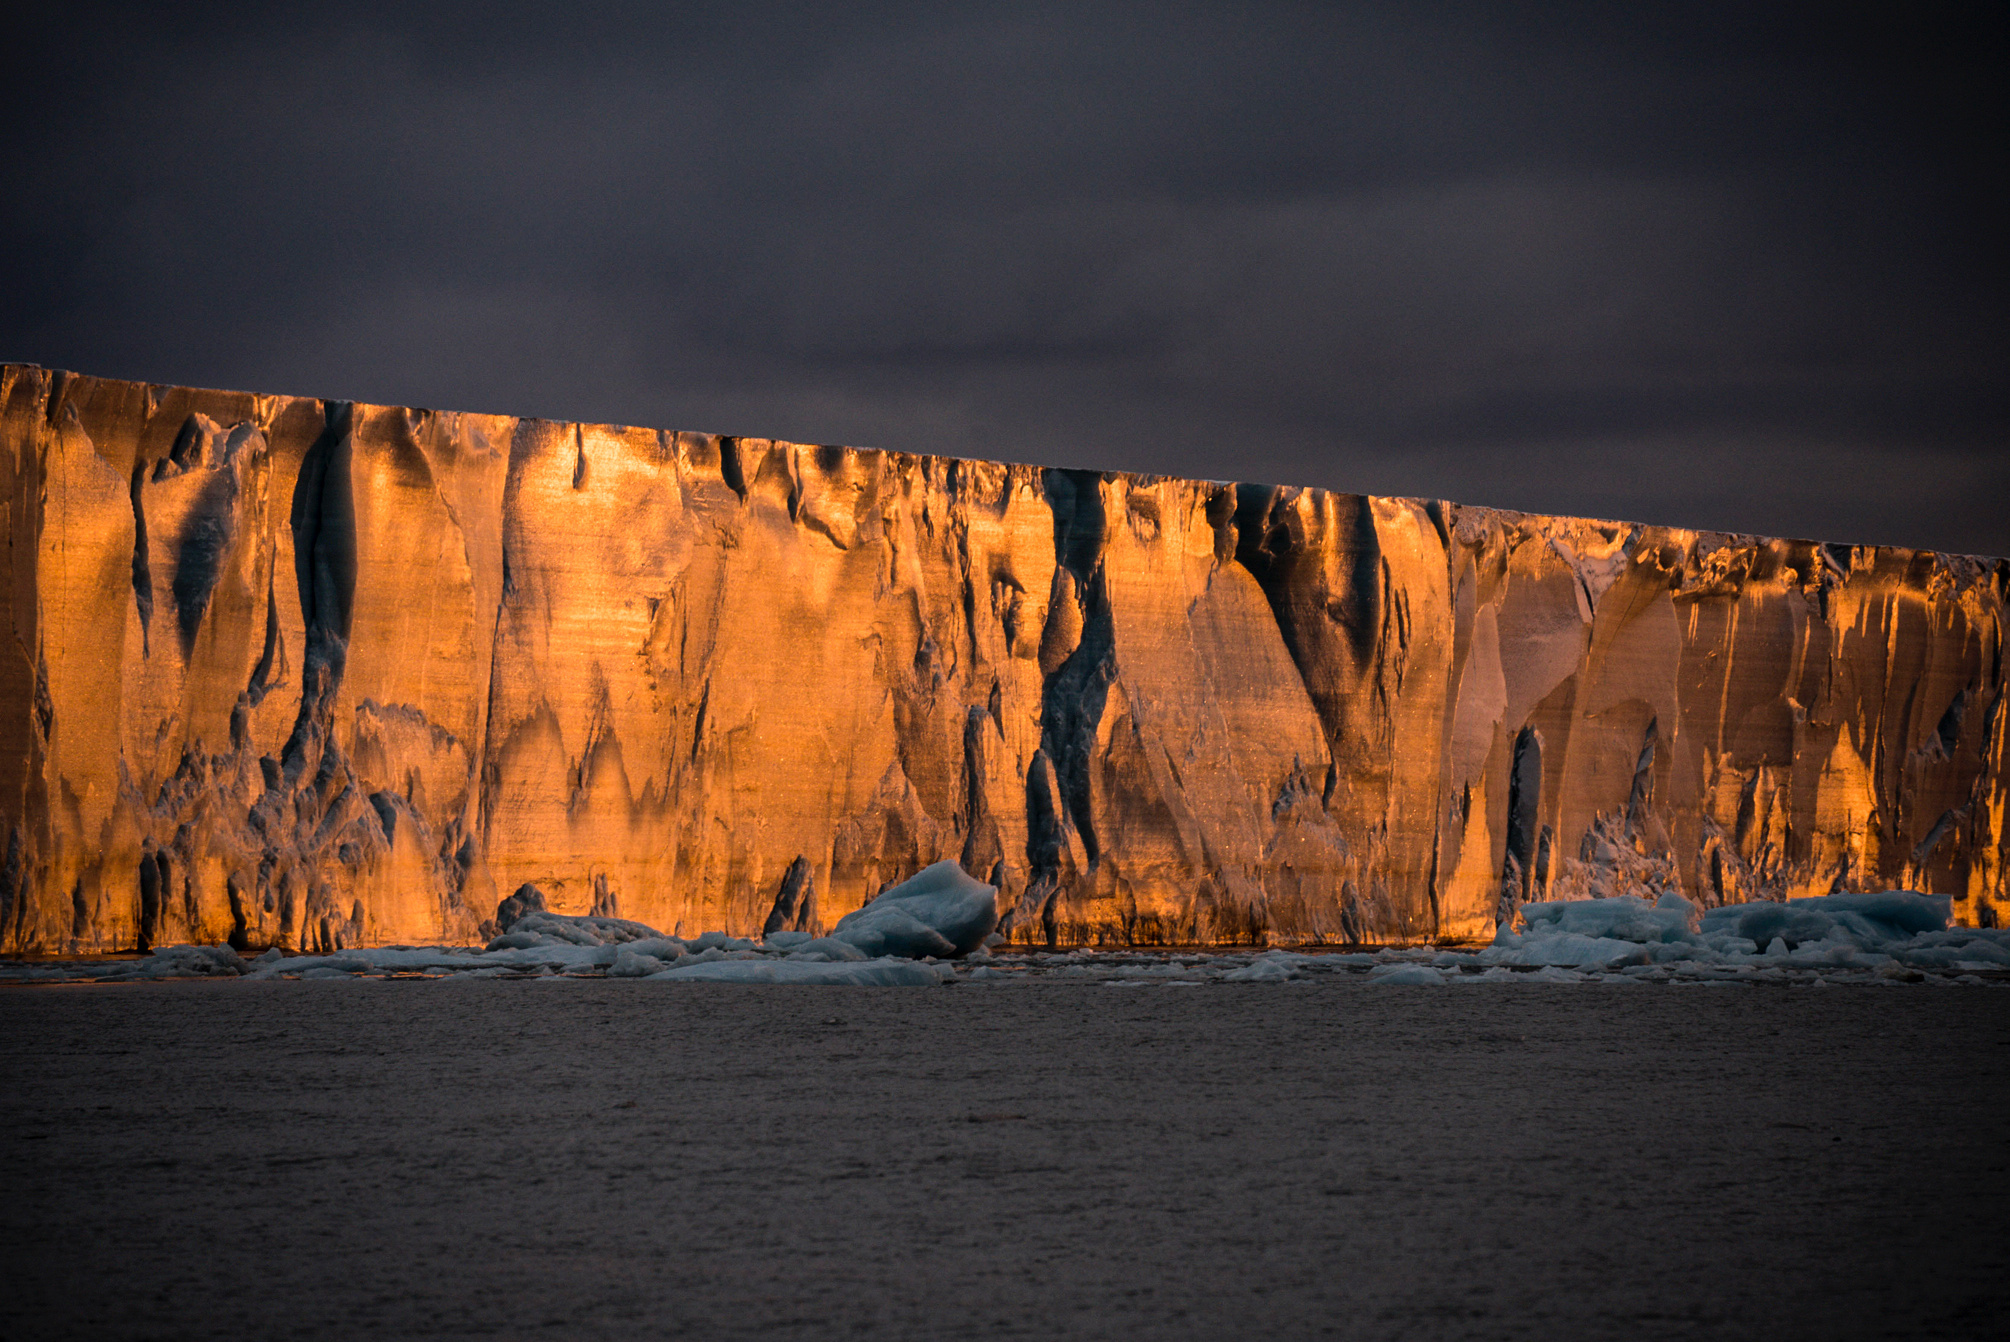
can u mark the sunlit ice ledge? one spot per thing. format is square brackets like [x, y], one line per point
[331, 678]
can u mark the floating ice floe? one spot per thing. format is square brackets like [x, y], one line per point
[1263, 969]
[1418, 975]
[545, 929]
[1825, 932]
[181, 962]
[884, 972]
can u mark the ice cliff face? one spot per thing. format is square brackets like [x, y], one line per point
[316, 675]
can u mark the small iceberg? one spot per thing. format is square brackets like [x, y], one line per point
[940, 911]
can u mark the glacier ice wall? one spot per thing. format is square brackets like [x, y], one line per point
[316, 675]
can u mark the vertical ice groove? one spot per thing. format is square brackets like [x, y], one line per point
[1074, 692]
[324, 551]
[143, 577]
[1518, 869]
[262, 682]
[201, 549]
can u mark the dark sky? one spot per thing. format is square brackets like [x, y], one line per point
[1721, 266]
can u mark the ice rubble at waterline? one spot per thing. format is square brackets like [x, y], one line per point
[933, 930]
[892, 941]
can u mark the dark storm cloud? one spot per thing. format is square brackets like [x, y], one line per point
[1729, 268]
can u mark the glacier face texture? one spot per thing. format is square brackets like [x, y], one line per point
[320, 675]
